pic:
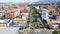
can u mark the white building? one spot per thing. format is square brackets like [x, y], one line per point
[44, 13]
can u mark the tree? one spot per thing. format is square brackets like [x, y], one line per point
[33, 17]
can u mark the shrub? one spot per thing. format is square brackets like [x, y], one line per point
[56, 32]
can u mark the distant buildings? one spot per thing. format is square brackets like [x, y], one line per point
[12, 10]
[19, 13]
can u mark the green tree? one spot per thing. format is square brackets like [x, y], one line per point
[32, 16]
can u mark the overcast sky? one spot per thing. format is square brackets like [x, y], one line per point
[23, 1]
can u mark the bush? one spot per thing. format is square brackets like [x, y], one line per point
[56, 32]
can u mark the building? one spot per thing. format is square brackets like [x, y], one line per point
[18, 13]
[54, 14]
[44, 13]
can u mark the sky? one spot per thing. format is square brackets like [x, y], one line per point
[23, 1]
[18, 1]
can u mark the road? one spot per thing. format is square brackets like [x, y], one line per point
[39, 31]
[45, 32]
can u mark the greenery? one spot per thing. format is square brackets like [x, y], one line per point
[36, 25]
[32, 17]
[35, 17]
[56, 32]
